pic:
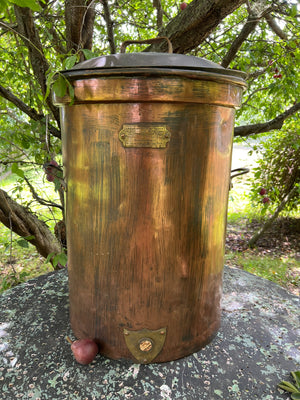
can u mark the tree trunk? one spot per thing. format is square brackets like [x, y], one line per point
[80, 17]
[24, 223]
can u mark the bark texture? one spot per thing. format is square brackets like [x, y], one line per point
[248, 28]
[24, 223]
[31, 39]
[79, 17]
[193, 25]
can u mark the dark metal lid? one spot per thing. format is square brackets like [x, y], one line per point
[134, 60]
[148, 63]
[154, 60]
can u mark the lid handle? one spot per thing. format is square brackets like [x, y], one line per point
[148, 41]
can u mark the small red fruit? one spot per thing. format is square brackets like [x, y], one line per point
[266, 200]
[183, 6]
[263, 191]
[49, 167]
[53, 162]
[84, 350]
[279, 76]
[50, 178]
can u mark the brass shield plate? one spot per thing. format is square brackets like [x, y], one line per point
[151, 135]
[145, 344]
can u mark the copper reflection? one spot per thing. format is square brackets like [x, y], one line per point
[146, 225]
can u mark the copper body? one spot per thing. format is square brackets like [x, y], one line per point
[145, 226]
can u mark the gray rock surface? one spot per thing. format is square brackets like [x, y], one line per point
[256, 347]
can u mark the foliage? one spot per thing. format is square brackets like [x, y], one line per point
[294, 389]
[277, 170]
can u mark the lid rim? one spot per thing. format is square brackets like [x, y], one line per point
[233, 76]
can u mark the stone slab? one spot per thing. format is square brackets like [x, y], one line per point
[256, 347]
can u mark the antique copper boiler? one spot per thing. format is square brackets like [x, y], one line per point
[147, 145]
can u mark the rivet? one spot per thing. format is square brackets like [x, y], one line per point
[126, 333]
[162, 332]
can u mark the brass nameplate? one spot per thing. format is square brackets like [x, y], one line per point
[145, 345]
[145, 135]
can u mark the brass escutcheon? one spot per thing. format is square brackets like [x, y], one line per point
[145, 344]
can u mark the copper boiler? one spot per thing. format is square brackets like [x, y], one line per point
[147, 143]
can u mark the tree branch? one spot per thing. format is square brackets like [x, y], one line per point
[252, 21]
[276, 123]
[31, 112]
[87, 25]
[193, 25]
[39, 199]
[275, 28]
[252, 94]
[109, 26]
[248, 28]
[24, 223]
[159, 13]
[279, 32]
[30, 37]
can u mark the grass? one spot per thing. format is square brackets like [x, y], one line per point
[282, 270]
[19, 260]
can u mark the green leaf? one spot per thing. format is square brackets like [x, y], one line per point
[3, 5]
[25, 143]
[62, 258]
[70, 61]
[32, 4]
[71, 92]
[295, 396]
[55, 261]
[50, 255]
[16, 170]
[289, 387]
[23, 243]
[57, 184]
[29, 237]
[294, 10]
[296, 377]
[60, 86]
[49, 82]
[88, 54]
